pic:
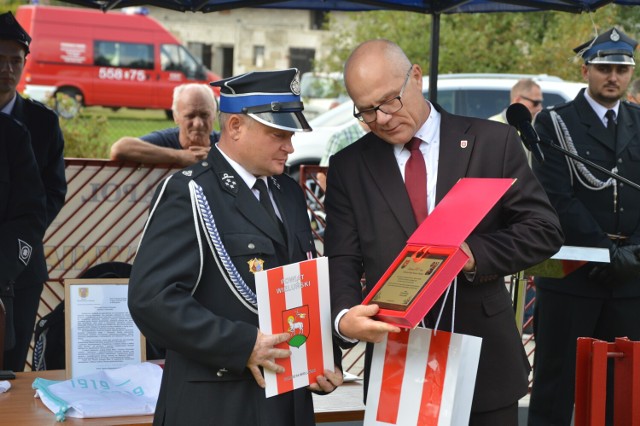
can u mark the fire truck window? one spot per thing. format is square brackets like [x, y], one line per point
[128, 55]
[174, 57]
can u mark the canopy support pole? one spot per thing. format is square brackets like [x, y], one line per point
[433, 66]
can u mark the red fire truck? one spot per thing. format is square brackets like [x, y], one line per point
[112, 59]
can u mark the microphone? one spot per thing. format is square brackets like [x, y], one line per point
[519, 117]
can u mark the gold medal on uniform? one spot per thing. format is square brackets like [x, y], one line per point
[256, 265]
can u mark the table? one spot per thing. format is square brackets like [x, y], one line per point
[19, 407]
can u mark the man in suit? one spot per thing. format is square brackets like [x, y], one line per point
[370, 216]
[22, 224]
[48, 144]
[192, 284]
[597, 300]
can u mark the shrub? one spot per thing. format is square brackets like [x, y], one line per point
[85, 136]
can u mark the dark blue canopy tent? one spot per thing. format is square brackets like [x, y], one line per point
[434, 8]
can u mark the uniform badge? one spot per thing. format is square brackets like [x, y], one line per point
[229, 181]
[296, 322]
[295, 84]
[24, 252]
[187, 172]
[256, 265]
[463, 144]
[614, 35]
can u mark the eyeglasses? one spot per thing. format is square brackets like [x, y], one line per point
[388, 107]
[534, 102]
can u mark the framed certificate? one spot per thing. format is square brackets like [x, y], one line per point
[411, 275]
[99, 331]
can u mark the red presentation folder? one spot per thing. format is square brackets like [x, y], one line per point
[432, 257]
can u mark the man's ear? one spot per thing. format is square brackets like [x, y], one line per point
[234, 126]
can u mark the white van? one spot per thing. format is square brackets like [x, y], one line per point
[473, 95]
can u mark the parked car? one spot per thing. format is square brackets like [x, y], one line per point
[111, 59]
[321, 92]
[474, 95]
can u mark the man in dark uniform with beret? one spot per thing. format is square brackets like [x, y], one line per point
[22, 223]
[597, 300]
[192, 285]
[47, 144]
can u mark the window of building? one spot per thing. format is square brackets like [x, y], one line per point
[258, 56]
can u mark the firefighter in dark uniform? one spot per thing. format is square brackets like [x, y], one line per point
[22, 224]
[598, 300]
[192, 285]
[47, 144]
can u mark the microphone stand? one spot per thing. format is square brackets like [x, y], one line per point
[589, 163]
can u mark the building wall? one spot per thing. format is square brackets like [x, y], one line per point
[243, 30]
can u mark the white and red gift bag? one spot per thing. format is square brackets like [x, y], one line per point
[422, 377]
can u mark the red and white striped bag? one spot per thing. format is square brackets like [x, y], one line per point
[422, 377]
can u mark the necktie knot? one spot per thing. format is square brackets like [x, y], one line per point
[260, 186]
[414, 144]
[611, 117]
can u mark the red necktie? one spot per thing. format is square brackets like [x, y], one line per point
[415, 179]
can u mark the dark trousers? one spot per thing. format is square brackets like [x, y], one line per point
[559, 320]
[25, 310]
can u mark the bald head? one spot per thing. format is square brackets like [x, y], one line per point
[383, 83]
[375, 57]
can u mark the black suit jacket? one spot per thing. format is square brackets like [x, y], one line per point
[587, 216]
[369, 220]
[180, 300]
[48, 145]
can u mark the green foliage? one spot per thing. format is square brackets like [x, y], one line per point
[522, 43]
[91, 132]
[10, 5]
[83, 134]
[410, 30]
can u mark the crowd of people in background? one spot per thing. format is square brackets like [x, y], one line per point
[181, 296]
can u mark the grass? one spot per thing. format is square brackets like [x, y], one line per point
[130, 122]
[95, 129]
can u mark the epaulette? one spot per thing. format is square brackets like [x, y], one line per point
[40, 105]
[631, 104]
[559, 106]
[194, 170]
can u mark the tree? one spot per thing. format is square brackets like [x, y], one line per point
[520, 43]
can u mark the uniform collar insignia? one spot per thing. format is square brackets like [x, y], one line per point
[274, 182]
[187, 172]
[229, 182]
